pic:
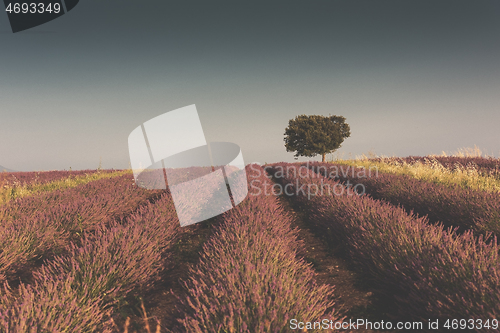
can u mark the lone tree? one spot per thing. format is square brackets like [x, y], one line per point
[313, 135]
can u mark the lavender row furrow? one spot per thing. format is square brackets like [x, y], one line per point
[249, 278]
[428, 271]
[76, 292]
[40, 225]
[453, 206]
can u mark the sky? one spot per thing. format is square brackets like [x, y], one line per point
[410, 77]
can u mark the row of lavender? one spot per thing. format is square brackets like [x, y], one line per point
[485, 166]
[41, 177]
[77, 291]
[428, 271]
[249, 278]
[453, 206]
[43, 225]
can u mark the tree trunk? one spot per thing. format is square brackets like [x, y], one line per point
[323, 158]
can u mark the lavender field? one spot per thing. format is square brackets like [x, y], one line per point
[308, 250]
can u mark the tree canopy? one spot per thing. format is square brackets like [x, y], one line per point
[315, 135]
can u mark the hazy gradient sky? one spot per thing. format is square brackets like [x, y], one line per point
[411, 77]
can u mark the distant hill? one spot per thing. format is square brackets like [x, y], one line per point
[3, 168]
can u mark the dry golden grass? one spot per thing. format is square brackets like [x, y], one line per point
[463, 152]
[14, 191]
[432, 170]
